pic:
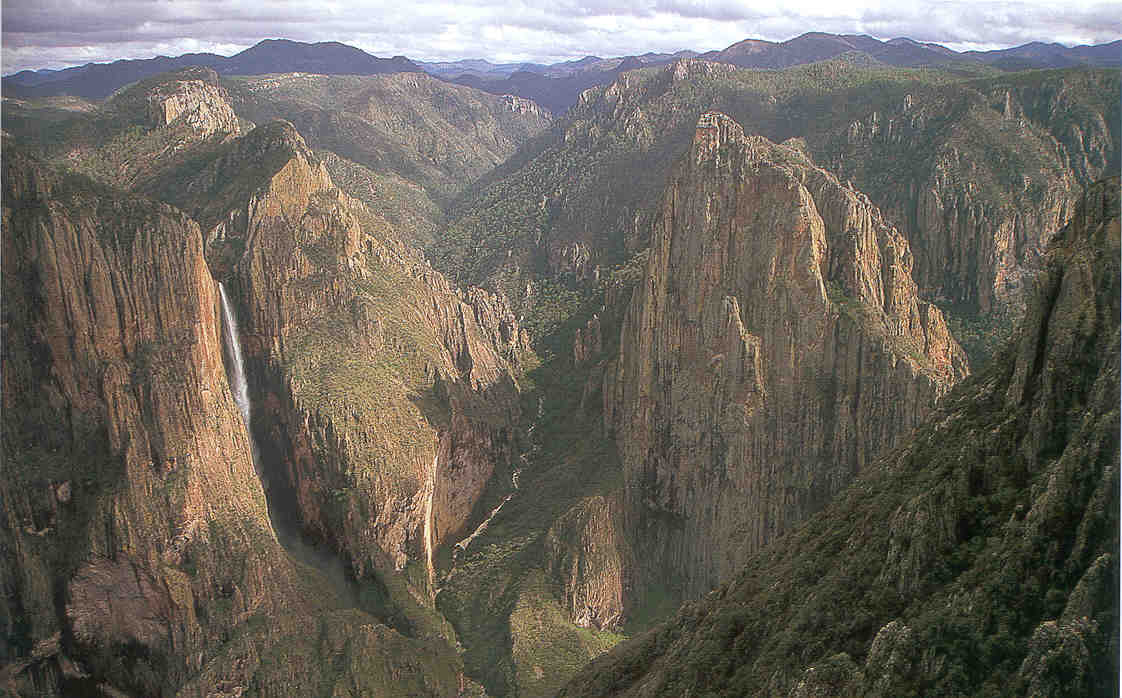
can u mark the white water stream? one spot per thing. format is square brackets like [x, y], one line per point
[428, 518]
[320, 562]
[239, 387]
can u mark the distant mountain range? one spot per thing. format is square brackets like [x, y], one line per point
[97, 80]
[488, 71]
[554, 86]
[818, 46]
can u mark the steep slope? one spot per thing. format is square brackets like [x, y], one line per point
[774, 345]
[138, 555]
[538, 591]
[978, 558]
[983, 175]
[133, 136]
[403, 146]
[437, 135]
[384, 400]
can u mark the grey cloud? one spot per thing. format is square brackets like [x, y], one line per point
[54, 32]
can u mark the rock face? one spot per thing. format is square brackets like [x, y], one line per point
[774, 346]
[194, 99]
[138, 134]
[976, 173]
[586, 551]
[980, 556]
[115, 395]
[383, 398]
[982, 178]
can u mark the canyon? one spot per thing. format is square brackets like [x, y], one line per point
[384, 385]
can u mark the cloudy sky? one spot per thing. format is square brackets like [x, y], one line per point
[60, 33]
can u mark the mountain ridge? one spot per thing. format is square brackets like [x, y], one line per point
[97, 80]
[555, 86]
[731, 319]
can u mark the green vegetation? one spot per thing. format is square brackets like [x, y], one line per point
[435, 135]
[895, 132]
[981, 336]
[875, 324]
[547, 648]
[405, 207]
[362, 358]
[507, 612]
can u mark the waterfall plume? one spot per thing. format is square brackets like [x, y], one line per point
[239, 386]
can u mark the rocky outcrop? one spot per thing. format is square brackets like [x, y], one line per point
[983, 177]
[134, 137]
[774, 346]
[977, 173]
[521, 105]
[128, 482]
[980, 556]
[194, 99]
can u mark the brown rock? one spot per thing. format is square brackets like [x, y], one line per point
[774, 346]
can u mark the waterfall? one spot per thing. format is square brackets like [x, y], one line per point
[239, 386]
[431, 487]
[326, 567]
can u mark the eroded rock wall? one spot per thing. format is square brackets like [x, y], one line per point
[774, 346]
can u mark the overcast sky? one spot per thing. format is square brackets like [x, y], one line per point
[60, 33]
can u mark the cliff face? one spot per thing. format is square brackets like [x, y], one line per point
[773, 347]
[979, 557]
[383, 399]
[128, 484]
[154, 126]
[138, 550]
[587, 553]
[977, 173]
[194, 99]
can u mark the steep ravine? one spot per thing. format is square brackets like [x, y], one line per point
[382, 398]
[283, 513]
